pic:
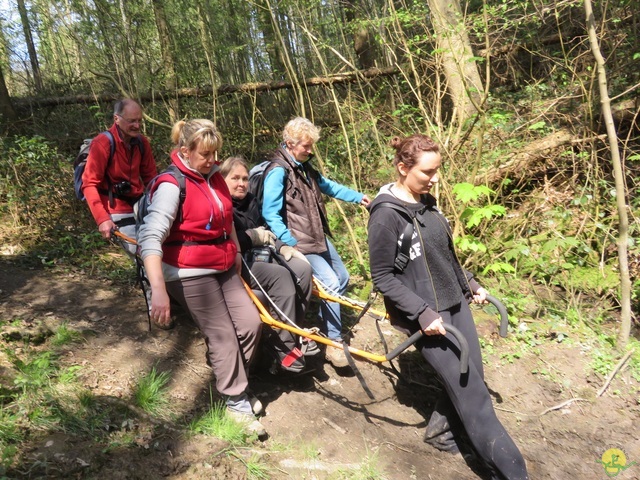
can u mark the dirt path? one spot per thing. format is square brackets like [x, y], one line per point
[320, 423]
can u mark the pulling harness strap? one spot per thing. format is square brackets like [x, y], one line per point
[403, 257]
[189, 243]
[355, 369]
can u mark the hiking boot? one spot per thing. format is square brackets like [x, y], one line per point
[309, 348]
[240, 408]
[248, 421]
[439, 435]
[336, 357]
[448, 446]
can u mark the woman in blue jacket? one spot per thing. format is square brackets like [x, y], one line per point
[294, 210]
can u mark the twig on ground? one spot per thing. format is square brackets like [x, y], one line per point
[618, 367]
[397, 447]
[514, 411]
[336, 427]
[561, 405]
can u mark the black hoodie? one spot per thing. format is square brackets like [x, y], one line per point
[433, 279]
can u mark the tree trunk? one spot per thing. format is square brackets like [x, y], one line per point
[464, 83]
[7, 112]
[168, 60]
[363, 42]
[524, 163]
[207, 48]
[621, 193]
[271, 43]
[33, 56]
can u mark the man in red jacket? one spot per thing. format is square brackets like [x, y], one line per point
[113, 187]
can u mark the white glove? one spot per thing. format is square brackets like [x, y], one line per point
[261, 237]
[287, 252]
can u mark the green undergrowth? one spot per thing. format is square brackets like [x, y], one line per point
[217, 423]
[540, 321]
[41, 394]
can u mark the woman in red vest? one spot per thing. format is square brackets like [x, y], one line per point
[190, 252]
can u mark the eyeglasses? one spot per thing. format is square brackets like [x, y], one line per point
[138, 121]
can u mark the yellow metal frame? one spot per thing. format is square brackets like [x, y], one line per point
[322, 294]
[266, 317]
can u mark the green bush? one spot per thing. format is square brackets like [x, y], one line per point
[35, 180]
[38, 208]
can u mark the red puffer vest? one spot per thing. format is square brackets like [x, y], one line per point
[203, 238]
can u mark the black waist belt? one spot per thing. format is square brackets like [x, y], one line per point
[125, 222]
[130, 200]
[213, 241]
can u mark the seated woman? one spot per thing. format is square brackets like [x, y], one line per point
[191, 253]
[432, 290]
[275, 279]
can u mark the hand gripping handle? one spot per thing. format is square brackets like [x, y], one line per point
[464, 346]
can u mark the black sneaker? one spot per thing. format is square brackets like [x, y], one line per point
[309, 347]
[292, 361]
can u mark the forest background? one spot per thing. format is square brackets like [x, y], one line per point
[510, 89]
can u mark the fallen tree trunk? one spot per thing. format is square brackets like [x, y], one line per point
[625, 113]
[347, 77]
[512, 47]
[527, 161]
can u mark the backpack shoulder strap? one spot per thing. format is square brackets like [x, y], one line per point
[403, 256]
[182, 185]
[112, 146]
[278, 162]
[141, 147]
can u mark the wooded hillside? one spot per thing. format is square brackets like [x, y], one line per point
[509, 89]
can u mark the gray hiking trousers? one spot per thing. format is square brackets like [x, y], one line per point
[279, 284]
[229, 321]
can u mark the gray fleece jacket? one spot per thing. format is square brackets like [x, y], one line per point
[151, 234]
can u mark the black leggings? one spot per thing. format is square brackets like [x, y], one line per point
[469, 395]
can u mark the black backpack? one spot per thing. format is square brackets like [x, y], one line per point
[80, 162]
[256, 177]
[256, 180]
[143, 204]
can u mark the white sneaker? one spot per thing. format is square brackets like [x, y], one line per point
[256, 405]
[249, 422]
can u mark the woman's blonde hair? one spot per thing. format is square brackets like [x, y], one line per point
[192, 133]
[299, 129]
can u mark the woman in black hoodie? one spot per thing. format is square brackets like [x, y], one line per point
[432, 289]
